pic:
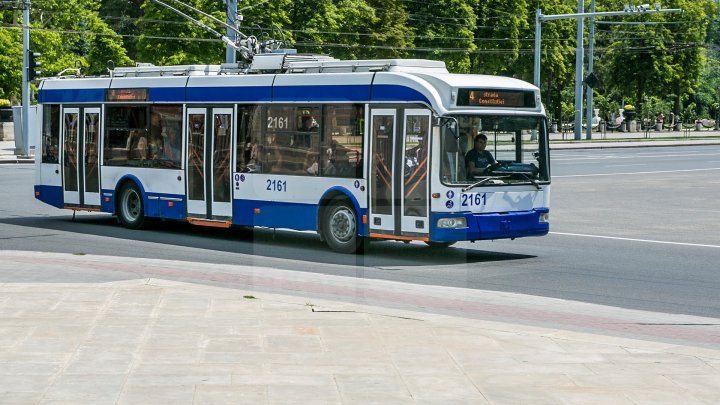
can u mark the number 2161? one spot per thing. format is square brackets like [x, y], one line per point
[474, 200]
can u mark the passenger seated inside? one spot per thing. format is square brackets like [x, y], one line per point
[137, 145]
[478, 160]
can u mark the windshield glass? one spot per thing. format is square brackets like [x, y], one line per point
[501, 149]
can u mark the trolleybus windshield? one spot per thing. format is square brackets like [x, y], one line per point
[517, 145]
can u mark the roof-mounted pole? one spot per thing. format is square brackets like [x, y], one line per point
[246, 46]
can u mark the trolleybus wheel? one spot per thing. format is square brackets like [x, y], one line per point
[440, 245]
[130, 207]
[340, 227]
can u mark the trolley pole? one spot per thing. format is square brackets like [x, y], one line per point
[580, 15]
[20, 148]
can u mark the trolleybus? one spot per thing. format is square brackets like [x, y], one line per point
[353, 150]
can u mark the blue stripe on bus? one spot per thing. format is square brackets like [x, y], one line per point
[311, 93]
[71, 96]
[354, 93]
[235, 94]
[274, 214]
[52, 195]
[176, 94]
[392, 92]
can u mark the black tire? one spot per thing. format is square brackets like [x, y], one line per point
[130, 209]
[440, 245]
[340, 227]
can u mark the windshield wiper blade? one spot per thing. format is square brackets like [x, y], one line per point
[530, 179]
[483, 181]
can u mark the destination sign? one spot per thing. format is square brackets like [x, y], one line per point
[496, 98]
[126, 95]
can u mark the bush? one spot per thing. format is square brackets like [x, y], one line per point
[4, 102]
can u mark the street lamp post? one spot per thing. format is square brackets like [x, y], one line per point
[21, 148]
[580, 15]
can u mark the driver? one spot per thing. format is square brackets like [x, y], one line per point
[478, 160]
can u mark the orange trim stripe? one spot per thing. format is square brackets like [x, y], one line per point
[79, 208]
[395, 237]
[209, 222]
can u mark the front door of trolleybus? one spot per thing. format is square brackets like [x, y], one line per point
[80, 158]
[399, 186]
[208, 162]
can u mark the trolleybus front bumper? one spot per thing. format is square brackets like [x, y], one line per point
[492, 226]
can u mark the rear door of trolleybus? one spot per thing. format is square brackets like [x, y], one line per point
[398, 173]
[208, 163]
[81, 128]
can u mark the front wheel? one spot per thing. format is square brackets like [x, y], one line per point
[130, 207]
[340, 227]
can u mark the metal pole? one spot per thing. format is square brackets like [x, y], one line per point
[21, 148]
[538, 33]
[230, 53]
[591, 49]
[579, 62]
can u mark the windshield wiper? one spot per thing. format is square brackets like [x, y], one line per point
[530, 179]
[483, 181]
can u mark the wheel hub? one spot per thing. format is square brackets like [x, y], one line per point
[342, 225]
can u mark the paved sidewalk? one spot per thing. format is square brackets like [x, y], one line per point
[7, 154]
[161, 334]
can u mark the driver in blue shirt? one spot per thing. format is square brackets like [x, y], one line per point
[478, 160]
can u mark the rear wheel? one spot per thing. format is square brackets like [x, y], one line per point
[130, 207]
[340, 227]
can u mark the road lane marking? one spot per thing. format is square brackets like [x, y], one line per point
[638, 156]
[636, 240]
[629, 173]
[627, 165]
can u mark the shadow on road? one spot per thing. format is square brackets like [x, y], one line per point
[282, 244]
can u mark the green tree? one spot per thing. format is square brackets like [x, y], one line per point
[168, 39]
[68, 33]
[501, 24]
[444, 30]
[121, 17]
[660, 58]
[10, 64]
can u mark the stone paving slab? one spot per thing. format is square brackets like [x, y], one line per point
[153, 340]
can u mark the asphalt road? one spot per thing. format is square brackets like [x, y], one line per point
[634, 228]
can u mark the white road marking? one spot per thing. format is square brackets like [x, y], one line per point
[637, 156]
[635, 240]
[630, 173]
[631, 164]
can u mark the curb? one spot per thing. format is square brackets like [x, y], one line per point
[17, 161]
[632, 144]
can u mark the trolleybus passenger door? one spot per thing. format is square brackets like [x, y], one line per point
[382, 167]
[414, 174]
[208, 164]
[91, 157]
[80, 159]
[70, 155]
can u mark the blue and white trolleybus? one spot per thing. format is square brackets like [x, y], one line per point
[353, 150]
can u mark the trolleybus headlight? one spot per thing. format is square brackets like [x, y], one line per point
[458, 222]
[544, 217]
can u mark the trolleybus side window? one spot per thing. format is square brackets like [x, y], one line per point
[291, 140]
[342, 144]
[249, 120]
[143, 136]
[51, 133]
[165, 143]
